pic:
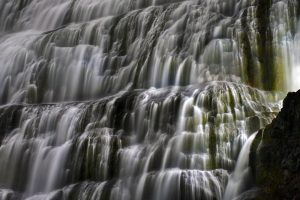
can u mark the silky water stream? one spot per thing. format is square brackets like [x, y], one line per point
[136, 99]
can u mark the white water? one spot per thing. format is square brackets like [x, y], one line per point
[296, 61]
[134, 99]
[241, 177]
[88, 56]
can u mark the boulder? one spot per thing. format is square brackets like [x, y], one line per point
[275, 153]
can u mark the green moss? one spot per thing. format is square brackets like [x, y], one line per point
[31, 95]
[280, 74]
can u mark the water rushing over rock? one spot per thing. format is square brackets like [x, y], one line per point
[182, 43]
[134, 142]
[134, 99]
[240, 180]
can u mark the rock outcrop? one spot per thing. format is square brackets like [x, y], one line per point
[275, 153]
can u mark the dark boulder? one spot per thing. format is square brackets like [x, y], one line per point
[275, 153]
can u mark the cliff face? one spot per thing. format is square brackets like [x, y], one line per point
[275, 153]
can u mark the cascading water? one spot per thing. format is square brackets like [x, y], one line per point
[136, 99]
[295, 51]
[241, 177]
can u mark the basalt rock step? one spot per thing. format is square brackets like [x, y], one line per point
[275, 153]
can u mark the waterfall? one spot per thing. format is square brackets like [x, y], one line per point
[136, 99]
[240, 179]
[295, 51]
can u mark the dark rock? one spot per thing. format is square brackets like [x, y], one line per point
[275, 153]
[249, 194]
